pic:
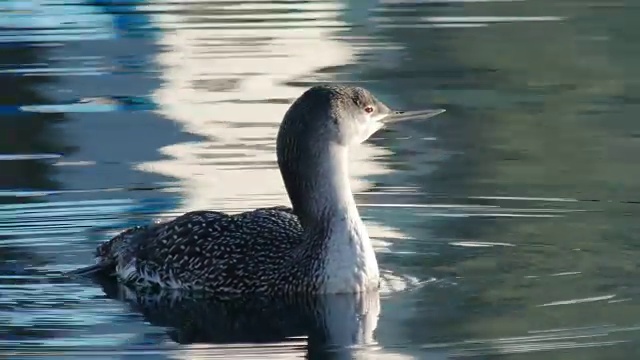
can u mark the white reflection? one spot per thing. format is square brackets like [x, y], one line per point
[219, 73]
[212, 88]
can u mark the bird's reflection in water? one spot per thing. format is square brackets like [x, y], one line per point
[334, 325]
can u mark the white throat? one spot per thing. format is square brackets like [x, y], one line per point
[350, 263]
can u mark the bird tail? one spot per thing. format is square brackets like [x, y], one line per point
[109, 253]
[102, 268]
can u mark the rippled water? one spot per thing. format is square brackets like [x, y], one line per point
[515, 210]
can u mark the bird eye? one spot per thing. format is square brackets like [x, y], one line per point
[368, 109]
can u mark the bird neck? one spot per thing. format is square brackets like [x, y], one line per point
[317, 181]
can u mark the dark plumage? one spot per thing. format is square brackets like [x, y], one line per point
[209, 250]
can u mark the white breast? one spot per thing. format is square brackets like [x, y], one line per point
[350, 263]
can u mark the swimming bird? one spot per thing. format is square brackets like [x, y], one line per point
[319, 245]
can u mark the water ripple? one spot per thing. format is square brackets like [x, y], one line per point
[505, 217]
[14, 157]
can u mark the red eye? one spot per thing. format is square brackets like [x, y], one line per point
[368, 109]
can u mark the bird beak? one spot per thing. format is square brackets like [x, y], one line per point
[396, 116]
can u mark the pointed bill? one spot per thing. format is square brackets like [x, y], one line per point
[396, 116]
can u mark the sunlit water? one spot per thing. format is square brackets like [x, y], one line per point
[506, 226]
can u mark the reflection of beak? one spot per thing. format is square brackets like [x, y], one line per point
[396, 116]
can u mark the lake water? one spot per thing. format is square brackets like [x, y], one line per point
[516, 210]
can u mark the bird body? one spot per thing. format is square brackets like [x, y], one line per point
[320, 245]
[207, 250]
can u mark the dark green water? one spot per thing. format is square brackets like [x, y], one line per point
[517, 207]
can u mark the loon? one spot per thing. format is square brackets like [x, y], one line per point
[319, 245]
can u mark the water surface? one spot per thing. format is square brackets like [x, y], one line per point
[515, 209]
